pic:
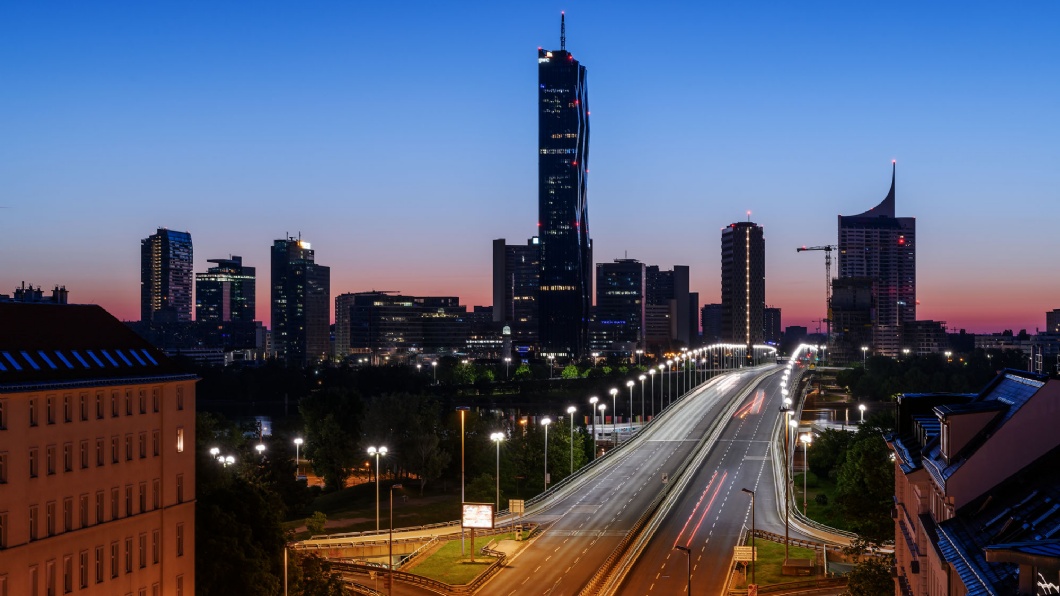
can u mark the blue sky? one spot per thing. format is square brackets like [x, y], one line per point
[399, 138]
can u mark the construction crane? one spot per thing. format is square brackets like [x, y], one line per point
[828, 248]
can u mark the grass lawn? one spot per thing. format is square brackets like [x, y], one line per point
[447, 565]
[771, 558]
[825, 514]
[355, 506]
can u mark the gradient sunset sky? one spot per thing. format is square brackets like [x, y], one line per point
[399, 138]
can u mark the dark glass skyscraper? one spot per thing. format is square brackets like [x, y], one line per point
[565, 293]
[743, 283]
[226, 292]
[165, 277]
[301, 303]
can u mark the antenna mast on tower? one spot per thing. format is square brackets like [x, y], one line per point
[562, 31]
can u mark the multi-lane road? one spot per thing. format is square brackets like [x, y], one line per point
[588, 522]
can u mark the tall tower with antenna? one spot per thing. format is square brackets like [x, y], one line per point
[565, 292]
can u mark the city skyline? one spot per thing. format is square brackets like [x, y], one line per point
[363, 128]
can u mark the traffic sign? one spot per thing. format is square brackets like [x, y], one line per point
[745, 553]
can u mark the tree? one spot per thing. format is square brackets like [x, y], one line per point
[311, 575]
[865, 488]
[570, 372]
[870, 577]
[481, 489]
[315, 523]
[332, 421]
[523, 372]
[827, 452]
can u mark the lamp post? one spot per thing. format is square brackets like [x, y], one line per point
[545, 422]
[864, 355]
[614, 415]
[669, 381]
[688, 553]
[434, 367]
[571, 410]
[592, 406]
[630, 385]
[552, 366]
[862, 408]
[297, 443]
[905, 351]
[948, 354]
[651, 373]
[787, 475]
[390, 543]
[463, 410]
[507, 362]
[639, 352]
[752, 493]
[806, 440]
[260, 448]
[603, 410]
[376, 452]
[497, 438]
[642, 419]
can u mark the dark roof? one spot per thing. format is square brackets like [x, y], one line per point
[884, 209]
[45, 344]
[1023, 513]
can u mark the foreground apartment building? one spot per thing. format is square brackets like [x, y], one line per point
[97, 469]
[977, 490]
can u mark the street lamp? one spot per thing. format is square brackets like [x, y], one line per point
[376, 452]
[639, 352]
[215, 452]
[463, 410]
[752, 493]
[603, 411]
[497, 438]
[806, 440]
[614, 415]
[948, 355]
[862, 408]
[642, 419]
[669, 381]
[545, 422]
[906, 352]
[688, 553]
[434, 367]
[864, 355]
[571, 410]
[630, 385]
[507, 361]
[228, 460]
[390, 543]
[592, 406]
[651, 373]
[297, 443]
[260, 448]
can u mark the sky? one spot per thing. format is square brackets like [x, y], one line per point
[400, 140]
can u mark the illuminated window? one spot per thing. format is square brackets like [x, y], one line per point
[180, 440]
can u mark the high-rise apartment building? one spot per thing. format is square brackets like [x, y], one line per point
[877, 245]
[743, 282]
[97, 457]
[226, 293]
[712, 317]
[165, 277]
[620, 304]
[565, 291]
[301, 303]
[771, 325]
[670, 289]
[516, 275]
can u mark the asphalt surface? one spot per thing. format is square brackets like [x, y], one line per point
[588, 523]
[712, 510]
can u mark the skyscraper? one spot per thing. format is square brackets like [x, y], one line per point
[516, 277]
[671, 288]
[620, 304]
[226, 293]
[565, 293]
[877, 245]
[301, 303]
[165, 277]
[743, 282]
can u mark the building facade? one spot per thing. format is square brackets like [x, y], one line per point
[389, 327]
[974, 472]
[226, 293]
[516, 278]
[771, 325]
[711, 316]
[853, 316]
[565, 290]
[97, 458]
[301, 304]
[620, 304]
[877, 245]
[166, 277]
[743, 283]
[671, 289]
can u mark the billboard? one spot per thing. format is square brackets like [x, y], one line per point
[477, 515]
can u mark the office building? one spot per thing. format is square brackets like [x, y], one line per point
[853, 316]
[743, 283]
[771, 325]
[620, 305]
[1052, 321]
[670, 289]
[386, 327]
[166, 277]
[565, 289]
[97, 457]
[226, 293]
[516, 275]
[877, 245]
[301, 304]
[975, 489]
[712, 318]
